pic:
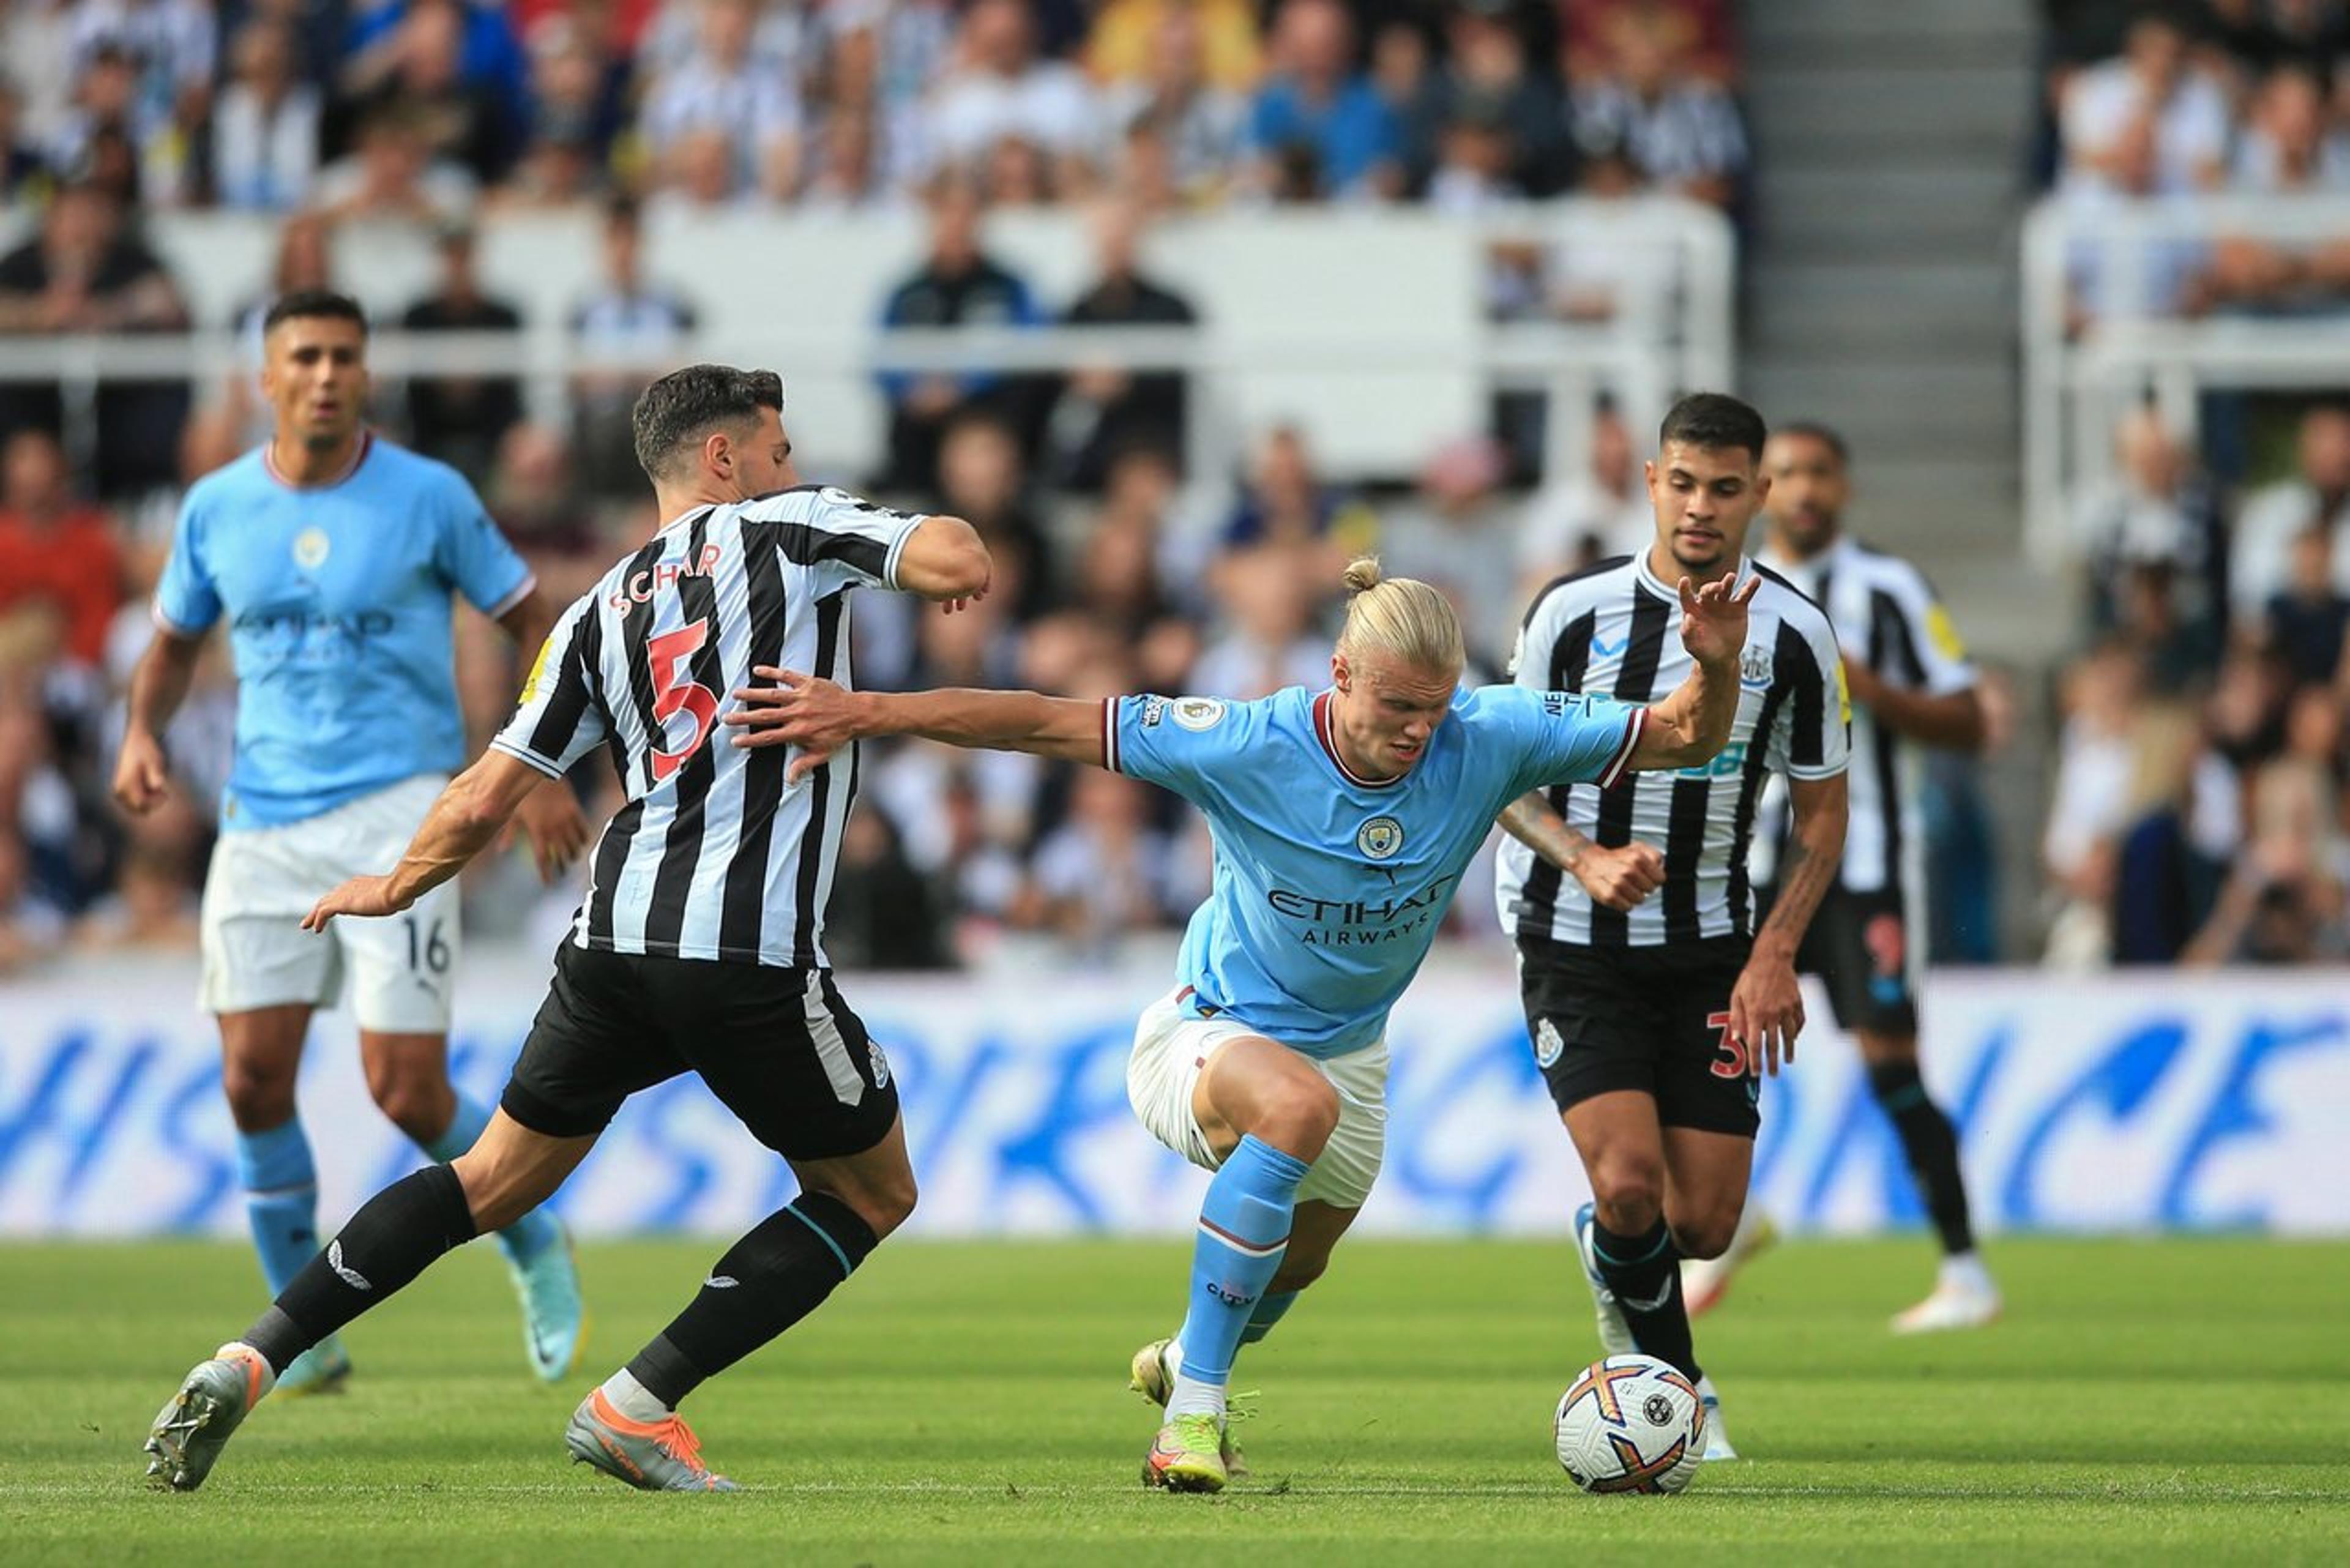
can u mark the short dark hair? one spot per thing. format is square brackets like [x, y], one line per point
[1712, 422]
[304, 304]
[681, 408]
[1812, 430]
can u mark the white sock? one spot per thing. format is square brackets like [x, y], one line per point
[632, 1399]
[1193, 1396]
[1964, 1272]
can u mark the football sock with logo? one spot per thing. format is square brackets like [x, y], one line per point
[1932, 1147]
[780, 1272]
[392, 1239]
[281, 1200]
[1243, 1231]
[1644, 1272]
[527, 1237]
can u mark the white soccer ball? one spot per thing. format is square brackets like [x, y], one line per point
[1630, 1423]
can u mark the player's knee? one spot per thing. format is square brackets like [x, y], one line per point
[259, 1099]
[1707, 1234]
[887, 1204]
[1629, 1192]
[420, 1105]
[1299, 1118]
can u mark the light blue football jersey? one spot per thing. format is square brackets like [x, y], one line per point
[338, 602]
[1328, 889]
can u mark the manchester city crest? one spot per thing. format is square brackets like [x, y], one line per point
[310, 546]
[1379, 837]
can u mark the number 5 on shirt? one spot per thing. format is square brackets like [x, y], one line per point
[677, 691]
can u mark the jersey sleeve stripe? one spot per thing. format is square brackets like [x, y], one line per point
[522, 590]
[897, 549]
[1109, 734]
[524, 754]
[1621, 763]
[164, 623]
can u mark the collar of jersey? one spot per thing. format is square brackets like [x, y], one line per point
[358, 460]
[1665, 590]
[688, 516]
[1328, 738]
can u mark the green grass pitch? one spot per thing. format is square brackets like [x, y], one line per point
[966, 1403]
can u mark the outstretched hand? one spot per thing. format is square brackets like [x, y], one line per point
[1714, 619]
[362, 896]
[806, 711]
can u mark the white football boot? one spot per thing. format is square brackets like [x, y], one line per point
[1963, 1297]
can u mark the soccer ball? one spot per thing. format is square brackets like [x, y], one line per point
[1630, 1423]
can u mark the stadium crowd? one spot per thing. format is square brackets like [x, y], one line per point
[2198, 812]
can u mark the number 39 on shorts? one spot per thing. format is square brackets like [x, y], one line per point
[1732, 1059]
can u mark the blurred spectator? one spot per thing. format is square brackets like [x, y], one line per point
[884, 912]
[956, 285]
[2317, 497]
[882, 58]
[1698, 32]
[1317, 127]
[1284, 502]
[2283, 904]
[24, 172]
[56, 553]
[154, 906]
[2287, 149]
[775, 43]
[36, 43]
[1580, 519]
[579, 84]
[1475, 155]
[461, 418]
[1105, 410]
[30, 926]
[2162, 275]
[554, 173]
[262, 139]
[535, 495]
[2087, 805]
[1131, 38]
[984, 480]
[420, 65]
[2307, 620]
[104, 138]
[2156, 512]
[85, 272]
[2262, 35]
[1406, 82]
[382, 43]
[1488, 81]
[997, 89]
[2177, 643]
[2167, 872]
[392, 175]
[630, 318]
[1105, 871]
[1122, 586]
[2154, 91]
[1197, 124]
[1682, 131]
[724, 90]
[1455, 534]
[1265, 638]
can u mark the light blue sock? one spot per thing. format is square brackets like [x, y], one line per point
[281, 1200]
[527, 1237]
[1243, 1231]
[1270, 1309]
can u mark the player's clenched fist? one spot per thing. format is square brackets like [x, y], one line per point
[142, 777]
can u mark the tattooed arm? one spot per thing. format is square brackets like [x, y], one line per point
[1766, 1009]
[1617, 879]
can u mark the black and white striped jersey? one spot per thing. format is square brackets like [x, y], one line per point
[713, 856]
[1884, 612]
[1613, 631]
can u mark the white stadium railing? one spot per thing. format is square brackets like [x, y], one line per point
[1366, 329]
[2079, 384]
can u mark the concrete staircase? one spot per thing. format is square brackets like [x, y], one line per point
[1881, 292]
[1881, 298]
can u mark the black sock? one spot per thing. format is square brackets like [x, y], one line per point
[1932, 1146]
[776, 1275]
[1644, 1272]
[387, 1243]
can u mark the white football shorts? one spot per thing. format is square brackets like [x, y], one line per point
[1171, 1049]
[402, 970]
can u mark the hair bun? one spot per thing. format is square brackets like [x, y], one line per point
[1363, 574]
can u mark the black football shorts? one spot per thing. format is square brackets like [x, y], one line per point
[1655, 1019]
